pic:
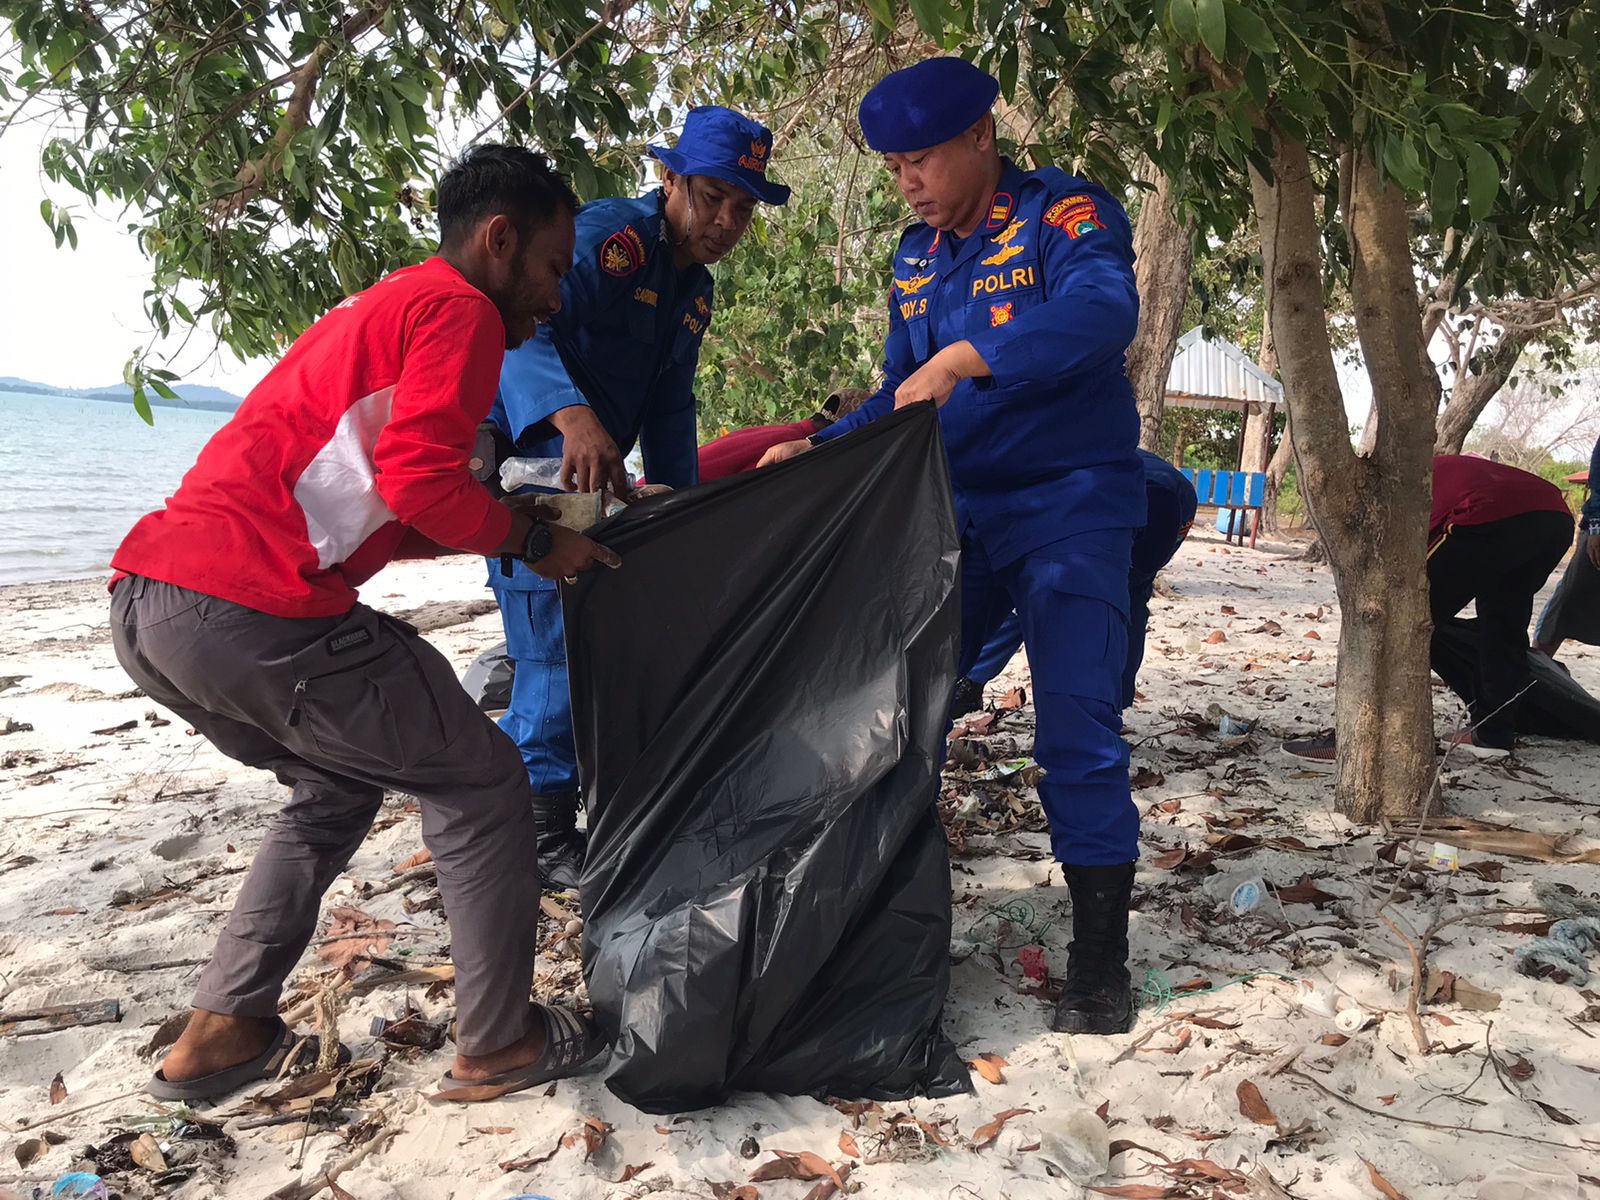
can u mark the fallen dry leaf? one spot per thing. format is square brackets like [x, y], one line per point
[804, 1165]
[847, 1144]
[1253, 1105]
[354, 935]
[1175, 805]
[1486, 869]
[1170, 861]
[1123, 1146]
[631, 1172]
[731, 1191]
[29, 1151]
[472, 1093]
[1555, 1114]
[990, 1130]
[416, 860]
[337, 1192]
[988, 1065]
[1227, 610]
[1378, 1181]
[146, 1152]
[1142, 1191]
[58, 1089]
[665, 1129]
[1146, 779]
[1333, 1039]
[1216, 637]
[1015, 698]
[492, 1129]
[1388, 1101]
[1305, 892]
[1520, 1069]
[592, 1133]
[1313, 635]
[1210, 1022]
[827, 1188]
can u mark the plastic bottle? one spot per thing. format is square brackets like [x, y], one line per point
[1228, 725]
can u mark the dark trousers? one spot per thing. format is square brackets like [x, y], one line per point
[1500, 566]
[342, 709]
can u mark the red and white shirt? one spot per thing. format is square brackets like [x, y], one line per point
[359, 435]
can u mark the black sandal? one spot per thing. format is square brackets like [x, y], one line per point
[570, 1043]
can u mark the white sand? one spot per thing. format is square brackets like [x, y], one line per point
[133, 811]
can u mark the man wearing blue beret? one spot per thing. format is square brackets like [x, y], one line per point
[614, 368]
[1013, 302]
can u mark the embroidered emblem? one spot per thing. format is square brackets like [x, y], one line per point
[756, 160]
[910, 287]
[617, 256]
[999, 314]
[1009, 232]
[1076, 215]
[1003, 255]
[701, 307]
[646, 296]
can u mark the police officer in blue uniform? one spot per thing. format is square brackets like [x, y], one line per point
[1012, 304]
[1170, 503]
[614, 368]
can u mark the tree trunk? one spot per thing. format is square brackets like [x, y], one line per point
[1276, 470]
[1371, 513]
[1472, 393]
[1163, 247]
[1258, 425]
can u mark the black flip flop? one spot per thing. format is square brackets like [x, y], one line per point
[570, 1041]
[264, 1066]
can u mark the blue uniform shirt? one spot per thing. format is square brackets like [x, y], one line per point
[626, 343]
[1044, 290]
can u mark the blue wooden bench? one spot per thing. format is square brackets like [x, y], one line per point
[1238, 495]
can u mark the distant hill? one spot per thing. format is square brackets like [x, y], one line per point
[190, 395]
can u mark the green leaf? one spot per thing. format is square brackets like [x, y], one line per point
[1557, 46]
[1444, 191]
[1483, 181]
[1009, 63]
[164, 390]
[1213, 27]
[1250, 28]
[1404, 166]
[72, 232]
[1591, 178]
[47, 211]
[929, 15]
[141, 405]
[1185, 21]
[1163, 114]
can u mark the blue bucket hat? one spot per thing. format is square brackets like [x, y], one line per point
[925, 104]
[726, 145]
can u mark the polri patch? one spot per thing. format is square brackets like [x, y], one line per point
[1075, 215]
[621, 255]
[339, 643]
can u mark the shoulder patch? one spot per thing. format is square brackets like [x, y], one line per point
[622, 253]
[1076, 215]
[1000, 209]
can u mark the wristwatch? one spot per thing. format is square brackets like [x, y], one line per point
[538, 543]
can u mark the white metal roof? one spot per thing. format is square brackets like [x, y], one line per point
[1217, 374]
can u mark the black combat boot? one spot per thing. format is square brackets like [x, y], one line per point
[1098, 996]
[968, 697]
[561, 844]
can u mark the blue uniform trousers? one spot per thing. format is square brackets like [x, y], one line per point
[540, 717]
[1153, 548]
[1070, 598]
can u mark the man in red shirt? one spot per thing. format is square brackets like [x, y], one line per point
[235, 607]
[1494, 536]
[740, 451]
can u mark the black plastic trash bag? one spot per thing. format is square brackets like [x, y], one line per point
[1556, 705]
[759, 699]
[488, 678]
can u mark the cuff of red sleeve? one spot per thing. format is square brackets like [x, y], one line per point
[491, 532]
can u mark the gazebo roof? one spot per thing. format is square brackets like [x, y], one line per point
[1212, 373]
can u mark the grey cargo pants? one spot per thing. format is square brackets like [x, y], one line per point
[341, 709]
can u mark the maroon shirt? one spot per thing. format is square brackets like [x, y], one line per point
[1468, 490]
[739, 451]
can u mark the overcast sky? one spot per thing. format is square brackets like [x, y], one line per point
[72, 317]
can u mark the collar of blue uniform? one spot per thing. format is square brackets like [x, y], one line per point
[1002, 211]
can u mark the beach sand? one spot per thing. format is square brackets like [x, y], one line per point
[120, 853]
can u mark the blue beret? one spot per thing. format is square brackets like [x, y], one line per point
[926, 104]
